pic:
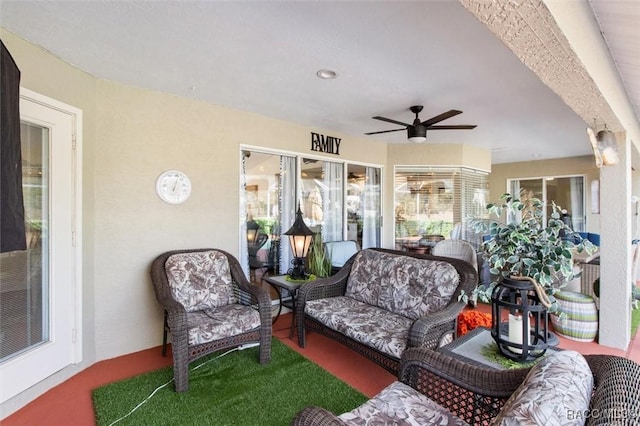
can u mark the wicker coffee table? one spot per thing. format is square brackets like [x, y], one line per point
[468, 348]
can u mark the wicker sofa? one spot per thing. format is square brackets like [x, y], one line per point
[384, 301]
[435, 388]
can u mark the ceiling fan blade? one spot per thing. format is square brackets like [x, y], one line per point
[439, 118]
[388, 120]
[384, 131]
[453, 127]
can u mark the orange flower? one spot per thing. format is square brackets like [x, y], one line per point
[468, 320]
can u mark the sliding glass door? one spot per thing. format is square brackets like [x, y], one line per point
[565, 191]
[339, 201]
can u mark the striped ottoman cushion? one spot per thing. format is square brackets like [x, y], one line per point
[581, 323]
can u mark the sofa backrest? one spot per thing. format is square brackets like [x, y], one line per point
[404, 285]
[200, 280]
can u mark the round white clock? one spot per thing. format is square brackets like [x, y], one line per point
[173, 187]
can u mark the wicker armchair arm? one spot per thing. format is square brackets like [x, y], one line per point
[616, 396]
[427, 332]
[472, 393]
[479, 380]
[321, 288]
[316, 416]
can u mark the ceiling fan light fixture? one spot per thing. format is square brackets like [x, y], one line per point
[418, 139]
[417, 134]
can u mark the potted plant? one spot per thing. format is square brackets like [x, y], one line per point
[529, 263]
[524, 247]
[317, 259]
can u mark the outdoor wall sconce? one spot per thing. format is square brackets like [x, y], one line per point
[300, 237]
[604, 147]
[523, 337]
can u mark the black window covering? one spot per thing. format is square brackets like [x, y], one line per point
[12, 230]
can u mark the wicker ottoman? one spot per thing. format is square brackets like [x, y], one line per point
[581, 323]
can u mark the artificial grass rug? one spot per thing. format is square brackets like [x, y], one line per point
[231, 390]
[635, 321]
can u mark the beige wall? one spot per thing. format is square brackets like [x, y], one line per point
[439, 155]
[140, 134]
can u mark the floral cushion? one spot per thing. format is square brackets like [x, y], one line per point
[555, 390]
[214, 324]
[400, 405]
[200, 280]
[364, 323]
[401, 284]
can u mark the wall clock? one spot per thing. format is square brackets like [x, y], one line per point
[173, 187]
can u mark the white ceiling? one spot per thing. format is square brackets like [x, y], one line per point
[262, 57]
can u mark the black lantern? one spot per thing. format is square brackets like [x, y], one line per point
[519, 320]
[252, 232]
[300, 239]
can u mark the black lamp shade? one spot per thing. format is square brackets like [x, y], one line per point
[300, 236]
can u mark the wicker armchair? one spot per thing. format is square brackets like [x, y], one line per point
[429, 331]
[457, 249]
[477, 395]
[209, 306]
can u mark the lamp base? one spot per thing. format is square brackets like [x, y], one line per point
[298, 275]
[298, 272]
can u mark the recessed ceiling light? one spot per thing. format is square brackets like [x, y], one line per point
[537, 155]
[326, 74]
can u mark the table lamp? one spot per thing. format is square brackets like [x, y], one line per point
[300, 237]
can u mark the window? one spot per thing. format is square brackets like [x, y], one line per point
[432, 200]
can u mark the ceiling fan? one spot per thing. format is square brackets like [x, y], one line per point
[417, 132]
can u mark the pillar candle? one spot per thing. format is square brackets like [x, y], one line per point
[515, 331]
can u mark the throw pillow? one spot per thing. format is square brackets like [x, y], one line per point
[555, 392]
[200, 280]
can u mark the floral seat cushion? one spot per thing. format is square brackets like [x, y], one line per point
[215, 324]
[400, 405]
[403, 285]
[200, 280]
[367, 324]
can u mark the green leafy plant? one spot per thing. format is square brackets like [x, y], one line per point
[318, 262]
[525, 247]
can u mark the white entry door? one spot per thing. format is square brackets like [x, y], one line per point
[40, 287]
